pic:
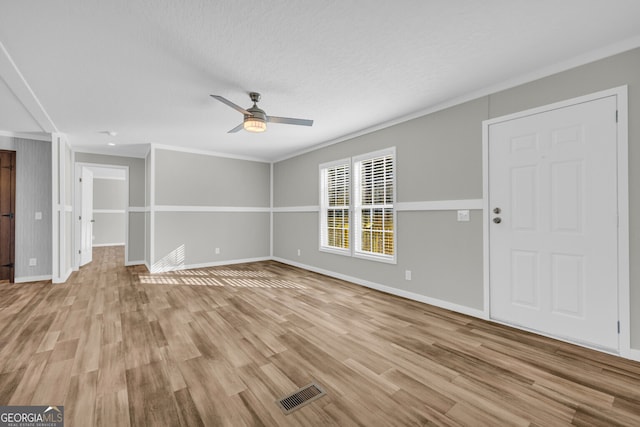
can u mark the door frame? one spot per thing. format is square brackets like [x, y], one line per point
[624, 301]
[77, 208]
[12, 197]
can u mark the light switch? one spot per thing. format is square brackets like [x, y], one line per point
[38, 215]
[463, 215]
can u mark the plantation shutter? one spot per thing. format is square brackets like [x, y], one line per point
[334, 206]
[374, 205]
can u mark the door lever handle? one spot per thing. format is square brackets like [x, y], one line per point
[497, 220]
[10, 215]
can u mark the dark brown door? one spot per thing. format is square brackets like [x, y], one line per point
[7, 212]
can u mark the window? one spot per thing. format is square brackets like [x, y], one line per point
[374, 223]
[362, 225]
[335, 206]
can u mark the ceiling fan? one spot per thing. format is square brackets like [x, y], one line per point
[255, 119]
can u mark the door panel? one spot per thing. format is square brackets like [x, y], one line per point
[566, 200]
[7, 212]
[524, 279]
[568, 285]
[524, 198]
[553, 255]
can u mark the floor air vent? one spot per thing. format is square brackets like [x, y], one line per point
[301, 397]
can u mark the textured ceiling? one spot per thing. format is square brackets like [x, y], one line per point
[145, 68]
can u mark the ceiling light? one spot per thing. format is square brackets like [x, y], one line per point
[255, 124]
[111, 144]
[255, 119]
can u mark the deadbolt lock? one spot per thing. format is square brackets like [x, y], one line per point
[497, 210]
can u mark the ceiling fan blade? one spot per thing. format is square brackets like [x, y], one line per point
[289, 121]
[230, 104]
[237, 128]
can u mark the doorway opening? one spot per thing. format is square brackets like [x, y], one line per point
[7, 212]
[101, 209]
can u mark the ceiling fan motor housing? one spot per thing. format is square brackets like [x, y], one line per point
[256, 113]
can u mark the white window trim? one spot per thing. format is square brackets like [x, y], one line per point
[323, 204]
[355, 203]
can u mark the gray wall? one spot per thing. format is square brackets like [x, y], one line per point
[137, 174]
[136, 237]
[429, 242]
[109, 194]
[187, 179]
[190, 238]
[222, 191]
[109, 227]
[439, 157]
[33, 194]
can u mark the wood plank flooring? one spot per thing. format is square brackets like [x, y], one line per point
[218, 346]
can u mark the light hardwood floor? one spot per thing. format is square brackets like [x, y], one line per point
[217, 346]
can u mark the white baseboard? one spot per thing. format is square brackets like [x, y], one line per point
[67, 275]
[206, 264]
[632, 354]
[26, 279]
[101, 245]
[130, 263]
[389, 290]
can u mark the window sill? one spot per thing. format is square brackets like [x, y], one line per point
[373, 257]
[336, 251]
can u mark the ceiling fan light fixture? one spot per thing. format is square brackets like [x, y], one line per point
[255, 119]
[254, 124]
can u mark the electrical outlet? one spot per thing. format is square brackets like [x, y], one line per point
[38, 216]
[463, 215]
[33, 262]
[407, 275]
[217, 251]
[299, 252]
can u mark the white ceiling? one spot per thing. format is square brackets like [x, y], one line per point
[145, 68]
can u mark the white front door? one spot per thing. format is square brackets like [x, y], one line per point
[553, 245]
[86, 218]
